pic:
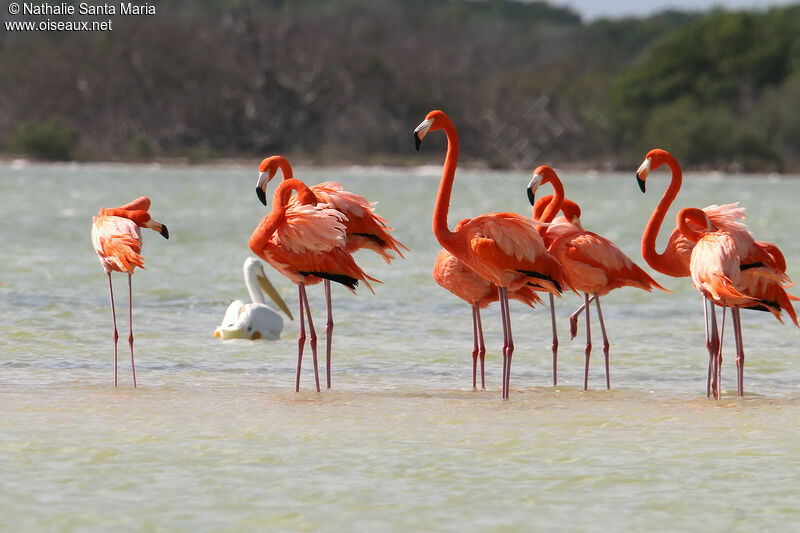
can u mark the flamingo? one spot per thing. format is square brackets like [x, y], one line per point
[676, 258]
[363, 227]
[459, 279]
[730, 269]
[306, 242]
[254, 320]
[118, 242]
[503, 248]
[591, 263]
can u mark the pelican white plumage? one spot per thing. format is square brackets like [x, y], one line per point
[254, 320]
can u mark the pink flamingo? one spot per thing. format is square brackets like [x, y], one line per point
[459, 279]
[591, 263]
[306, 243]
[732, 270]
[363, 227]
[503, 248]
[118, 242]
[675, 259]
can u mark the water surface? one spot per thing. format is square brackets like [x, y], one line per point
[215, 438]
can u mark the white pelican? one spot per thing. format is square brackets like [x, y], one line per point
[254, 320]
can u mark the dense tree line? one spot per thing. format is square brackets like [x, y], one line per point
[346, 81]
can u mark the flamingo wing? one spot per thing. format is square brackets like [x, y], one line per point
[593, 264]
[311, 228]
[509, 252]
[118, 243]
[365, 228]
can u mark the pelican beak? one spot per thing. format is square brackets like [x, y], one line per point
[261, 187]
[532, 186]
[217, 334]
[421, 131]
[641, 174]
[267, 287]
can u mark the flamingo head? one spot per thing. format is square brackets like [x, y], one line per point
[572, 211]
[138, 216]
[694, 223]
[434, 120]
[543, 174]
[267, 170]
[654, 159]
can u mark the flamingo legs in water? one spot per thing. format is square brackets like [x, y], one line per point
[312, 337]
[606, 344]
[712, 339]
[716, 378]
[478, 348]
[588, 349]
[130, 326]
[328, 332]
[737, 333]
[554, 345]
[114, 319]
[508, 341]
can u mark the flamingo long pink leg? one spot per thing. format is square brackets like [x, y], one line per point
[130, 326]
[301, 340]
[712, 339]
[475, 348]
[737, 333]
[510, 346]
[588, 349]
[554, 344]
[312, 335]
[114, 319]
[716, 383]
[573, 319]
[328, 331]
[505, 336]
[606, 344]
[481, 349]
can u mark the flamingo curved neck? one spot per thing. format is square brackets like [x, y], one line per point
[554, 205]
[440, 229]
[286, 168]
[263, 232]
[696, 217]
[658, 261]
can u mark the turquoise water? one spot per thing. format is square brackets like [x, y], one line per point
[216, 439]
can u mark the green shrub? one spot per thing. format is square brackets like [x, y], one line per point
[51, 140]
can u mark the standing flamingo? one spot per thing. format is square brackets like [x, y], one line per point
[502, 248]
[363, 227]
[118, 242]
[731, 270]
[591, 263]
[675, 260]
[306, 242]
[459, 279]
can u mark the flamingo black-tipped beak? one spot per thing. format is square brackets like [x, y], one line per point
[164, 231]
[640, 181]
[417, 141]
[531, 195]
[261, 195]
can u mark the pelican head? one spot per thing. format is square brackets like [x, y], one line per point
[254, 320]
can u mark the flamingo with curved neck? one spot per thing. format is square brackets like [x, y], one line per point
[363, 227]
[306, 243]
[503, 248]
[732, 270]
[592, 264]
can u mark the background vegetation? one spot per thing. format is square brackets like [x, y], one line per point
[347, 81]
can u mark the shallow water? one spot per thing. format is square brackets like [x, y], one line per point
[215, 438]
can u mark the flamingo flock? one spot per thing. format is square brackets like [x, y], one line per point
[311, 233]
